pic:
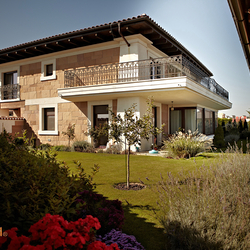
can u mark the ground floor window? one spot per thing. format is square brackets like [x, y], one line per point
[176, 120]
[184, 119]
[100, 115]
[48, 120]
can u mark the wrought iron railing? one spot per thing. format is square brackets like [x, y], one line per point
[10, 92]
[151, 69]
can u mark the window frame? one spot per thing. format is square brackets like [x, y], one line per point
[44, 64]
[2, 76]
[41, 130]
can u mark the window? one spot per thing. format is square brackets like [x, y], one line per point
[10, 86]
[48, 120]
[190, 120]
[155, 70]
[208, 122]
[48, 70]
[200, 120]
[176, 120]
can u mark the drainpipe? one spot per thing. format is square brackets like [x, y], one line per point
[119, 30]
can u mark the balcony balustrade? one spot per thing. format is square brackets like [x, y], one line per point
[10, 92]
[151, 69]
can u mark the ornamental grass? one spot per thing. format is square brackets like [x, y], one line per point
[185, 145]
[208, 208]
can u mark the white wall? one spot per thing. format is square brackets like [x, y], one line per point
[7, 125]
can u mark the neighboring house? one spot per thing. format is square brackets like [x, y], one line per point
[74, 77]
[241, 14]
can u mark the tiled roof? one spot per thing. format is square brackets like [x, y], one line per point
[142, 24]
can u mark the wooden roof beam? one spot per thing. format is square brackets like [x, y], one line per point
[85, 40]
[60, 45]
[130, 30]
[71, 42]
[100, 37]
[48, 47]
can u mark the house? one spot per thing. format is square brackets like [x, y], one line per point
[241, 15]
[74, 77]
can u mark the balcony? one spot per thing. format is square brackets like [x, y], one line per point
[152, 69]
[10, 92]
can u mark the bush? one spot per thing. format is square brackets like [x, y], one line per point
[53, 232]
[109, 212]
[83, 146]
[208, 209]
[45, 146]
[33, 184]
[62, 148]
[245, 134]
[185, 145]
[219, 141]
[115, 149]
[232, 138]
[124, 241]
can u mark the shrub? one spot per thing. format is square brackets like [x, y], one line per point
[124, 241]
[245, 134]
[33, 183]
[45, 146]
[83, 146]
[208, 209]
[109, 212]
[232, 138]
[115, 149]
[53, 232]
[185, 145]
[219, 141]
[62, 148]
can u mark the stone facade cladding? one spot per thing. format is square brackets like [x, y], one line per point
[68, 113]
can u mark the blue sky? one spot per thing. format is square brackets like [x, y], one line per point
[204, 27]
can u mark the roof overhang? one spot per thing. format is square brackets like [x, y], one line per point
[142, 24]
[241, 14]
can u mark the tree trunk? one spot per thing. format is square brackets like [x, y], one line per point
[128, 167]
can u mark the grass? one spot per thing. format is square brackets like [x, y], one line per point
[140, 206]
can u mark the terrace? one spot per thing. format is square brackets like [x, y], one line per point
[151, 69]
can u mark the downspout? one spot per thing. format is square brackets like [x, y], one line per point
[119, 30]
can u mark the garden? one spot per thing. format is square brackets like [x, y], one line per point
[196, 196]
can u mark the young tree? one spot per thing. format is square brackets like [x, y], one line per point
[70, 132]
[130, 129]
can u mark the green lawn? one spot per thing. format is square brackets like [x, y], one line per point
[140, 206]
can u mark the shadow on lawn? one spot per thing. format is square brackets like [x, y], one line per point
[145, 232]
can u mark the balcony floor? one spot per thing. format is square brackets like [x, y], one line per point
[181, 90]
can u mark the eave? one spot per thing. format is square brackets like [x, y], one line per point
[142, 24]
[241, 15]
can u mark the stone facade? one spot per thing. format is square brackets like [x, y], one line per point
[33, 90]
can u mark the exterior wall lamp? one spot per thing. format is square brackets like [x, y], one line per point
[172, 108]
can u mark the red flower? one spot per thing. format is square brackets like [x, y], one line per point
[98, 245]
[17, 242]
[12, 232]
[2, 240]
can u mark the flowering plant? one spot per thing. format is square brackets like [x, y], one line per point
[124, 241]
[53, 232]
[109, 212]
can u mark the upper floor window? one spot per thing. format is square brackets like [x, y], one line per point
[10, 87]
[10, 78]
[48, 70]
